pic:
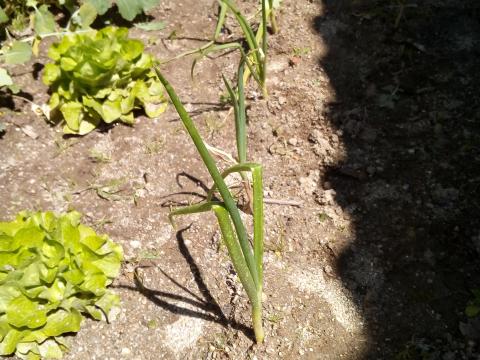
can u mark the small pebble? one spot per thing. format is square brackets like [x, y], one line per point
[135, 244]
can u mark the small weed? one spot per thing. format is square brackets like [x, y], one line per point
[180, 129]
[98, 156]
[323, 217]
[174, 34]
[148, 255]
[108, 191]
[102, 222]
[63, 145]
[417, 348]
[302, 51]
[152, 324]
[275, 318]
[67, 198]
[213, 124]
[278, 247]
[473, 307]
[224, 98]
[154, 147]
[220, 342]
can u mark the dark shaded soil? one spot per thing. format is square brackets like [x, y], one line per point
[406, 78]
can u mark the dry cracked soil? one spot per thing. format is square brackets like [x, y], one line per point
[370, 144]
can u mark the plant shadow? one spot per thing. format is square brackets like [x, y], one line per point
[205, 307]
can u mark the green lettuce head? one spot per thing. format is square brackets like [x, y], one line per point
[53, 270]
[101, 76]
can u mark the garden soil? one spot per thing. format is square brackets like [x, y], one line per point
[370, 145]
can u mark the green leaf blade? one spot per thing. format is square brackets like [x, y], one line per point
[58, 269]
[44, 21]
[24, 312]
[19, 53]
[151, 26]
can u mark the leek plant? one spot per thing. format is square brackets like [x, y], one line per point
[247, 259]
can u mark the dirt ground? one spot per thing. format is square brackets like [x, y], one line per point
[371, 126]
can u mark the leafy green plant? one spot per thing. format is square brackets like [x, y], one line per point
[129, 9]
[19, 18]
[53, 270]
[17, 13]
[15, 52]
[247, 260]
[101, 76]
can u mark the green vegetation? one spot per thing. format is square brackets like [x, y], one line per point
[17, 13]
[247, 260]
[20, 17]
[473, 307]
[101, 76]
[128, 9]
[255, 56]
[53, 270]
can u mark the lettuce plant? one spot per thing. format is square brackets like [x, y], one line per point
[53, 270]
[21, 18]
[101, 76]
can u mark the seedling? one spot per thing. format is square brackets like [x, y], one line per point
[275, 318]
[473, 307]
[98, 156]
[247, 259]
[154, 146]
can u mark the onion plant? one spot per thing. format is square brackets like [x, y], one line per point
[247, 259]
[256, 41]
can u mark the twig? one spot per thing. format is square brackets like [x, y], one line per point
[22, 98]
[283, 202]
[78, 192]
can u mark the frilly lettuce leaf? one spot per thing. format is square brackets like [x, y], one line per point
[101, 76]
[53, 269]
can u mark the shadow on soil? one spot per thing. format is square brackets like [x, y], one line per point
[407, 83]
[208, 308]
